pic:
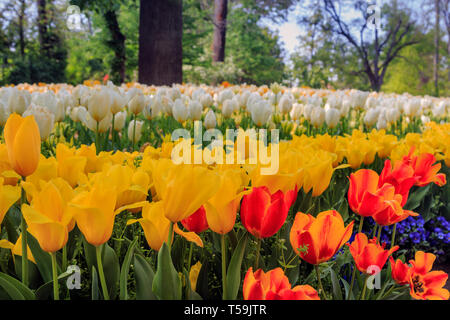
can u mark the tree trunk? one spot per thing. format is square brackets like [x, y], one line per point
[436, 48]
[117, 44]
[160, 42]
[42, 25]
[220, 29]
[21, 28]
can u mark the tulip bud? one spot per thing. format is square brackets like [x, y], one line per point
[136, 104]
[210, 120]
[332, 117]
[317, 116]
[44, 119]
[261, 112]
[99, 104]
[227, 108]
[119, 120]
[285, 105]
[195, 110]
[137, 131]
[297, 111]
[117, 102]
[179, 110]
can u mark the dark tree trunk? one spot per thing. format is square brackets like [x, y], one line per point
[117, 43]
[21, 28]
[160, 42]
[220, 29]
[436, 48]
[42, 25]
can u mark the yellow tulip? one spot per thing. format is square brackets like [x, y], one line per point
[221, 209]
[8, 196]
[6, 170]
[23, 142]
[156, 226]
[94, 212]
[70, 166]
[48, 217]
[183, 188]
[16, 248]
[193, 274]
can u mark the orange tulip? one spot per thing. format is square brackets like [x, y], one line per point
[322, 236]
[400, 271]
[23, 142]
[424, 170]
[424, 283]
[274, 285]
[368, 253]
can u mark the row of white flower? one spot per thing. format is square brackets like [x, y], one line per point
[97, 106]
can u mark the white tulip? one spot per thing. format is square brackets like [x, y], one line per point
[4, 113]
[195, 109]
[261, 112]
[118, 102]
[297, 111]
[136, 104]
[18, 101]
[308, 110]
[227, 108]
[371, 116]
[179, 111]
[332, 116]
[206, 100]
[99, 104]
[44, 119]
[317, 116]
[285, 105]
[119, 120]
[210, 120]
[137, 131]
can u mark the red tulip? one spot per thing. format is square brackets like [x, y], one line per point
[197, 221]
[401, 176]
[274, 285]
[263, 214]
[424, 170]
[367, 253]
[401, 272]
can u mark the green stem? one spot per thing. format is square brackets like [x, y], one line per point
[393, 236]
[364, 289]
[134, 132]
[379, 234]
[387, 292]
[361, 222]
[224, 267]
[55, 277]
[258, 249]
[353, 281]
[64, 258]
[191, 246]
[374, 231]
[320, 282]
[23, 227]
[170, 236]
[98, 251]
[112, 131]
[97, 142]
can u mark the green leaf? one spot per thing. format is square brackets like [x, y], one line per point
[191, 295]
[11, 289]
[347, 290]
[233, 280]
[45, 291]
[125, 269]
[89, 254]
[337, 293]
[42, 258]
[166, 283]
[143, 275]
[111, 269]
[416, 197]
[94, 285]
[23, 290]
